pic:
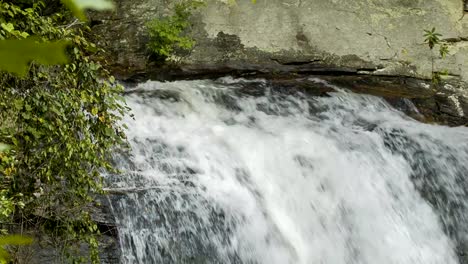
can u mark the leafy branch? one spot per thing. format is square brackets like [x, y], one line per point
[16, 54]
[58, 124]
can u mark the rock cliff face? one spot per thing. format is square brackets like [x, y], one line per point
[360, 38]
[368, 46]
[372, 36]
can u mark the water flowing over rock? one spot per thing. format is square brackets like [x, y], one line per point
[242, 171]
[355, 39]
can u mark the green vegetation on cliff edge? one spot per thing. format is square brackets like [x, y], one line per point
[61, 123]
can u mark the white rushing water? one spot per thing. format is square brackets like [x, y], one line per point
[217, 175]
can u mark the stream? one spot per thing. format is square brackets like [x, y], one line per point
[237, 171]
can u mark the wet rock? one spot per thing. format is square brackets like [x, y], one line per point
[354, 35]
[415, 97]
[353, 41]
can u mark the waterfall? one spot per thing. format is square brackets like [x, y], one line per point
[238, 171]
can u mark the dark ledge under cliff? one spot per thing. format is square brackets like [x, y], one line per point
[442, 103]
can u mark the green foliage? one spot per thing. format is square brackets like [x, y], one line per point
[4, 147]
[18, 51]
[7, 207]
[15, 240]
[436, 77]
[78, 6]
[432, 38]
[61, 123]
[443, 50]
[16, 54]
[166, 34]
[11, 240]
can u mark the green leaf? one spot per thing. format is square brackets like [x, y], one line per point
[24, 34]
[8, 27]
[4, 147]
[79, 6]
[443, 50]
[15, 240]
[4, 256]
[18, 104]
[15, 55]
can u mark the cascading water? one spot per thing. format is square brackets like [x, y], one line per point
[234, 171]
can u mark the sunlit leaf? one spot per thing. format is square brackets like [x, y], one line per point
[4, 147]
[8, 26]
[15, 55]
[79, 6]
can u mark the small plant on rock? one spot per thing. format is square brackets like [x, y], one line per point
[166, 34]
[432, 39]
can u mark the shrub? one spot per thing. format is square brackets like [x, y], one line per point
[166, 34]
[61, 123]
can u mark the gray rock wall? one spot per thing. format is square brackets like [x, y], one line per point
[331, 37]
[381, 35]
[378, 36]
